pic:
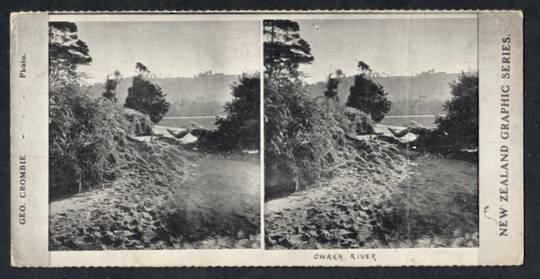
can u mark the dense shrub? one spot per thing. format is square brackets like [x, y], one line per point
[82, 131]
[293, 144]
[240, 129]
[461, 120]
[110, 86]
[457, 131]
[139, 124]
[303, 137]
[359, 122]
[369, 97]
[88, 137]
[334, 79]
[85, 137]
[148, 98]
[300, 137]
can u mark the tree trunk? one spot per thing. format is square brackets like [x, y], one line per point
[80, 182]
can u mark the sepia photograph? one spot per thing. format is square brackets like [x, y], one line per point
[371, 132]
[266, 138]
[154, 135]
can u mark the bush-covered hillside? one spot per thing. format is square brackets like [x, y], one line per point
[423, 93]
[200, 95]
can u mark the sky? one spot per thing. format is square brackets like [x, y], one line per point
[398, 46]
[174, 49]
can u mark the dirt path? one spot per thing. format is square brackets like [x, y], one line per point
[223, 205]
[437, 206]
[434, 204]
[171, 198]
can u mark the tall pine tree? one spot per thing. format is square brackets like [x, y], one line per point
[284, 50]
[66, 52]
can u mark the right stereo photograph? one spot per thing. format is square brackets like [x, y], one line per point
[371, 132]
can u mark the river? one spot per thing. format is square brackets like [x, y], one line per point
[427, 121]
[185, 121]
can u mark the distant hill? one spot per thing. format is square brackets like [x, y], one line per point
[424, 93]
[203, 94]
[206, 93]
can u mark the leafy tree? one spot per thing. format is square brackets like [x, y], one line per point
[297, 135]
[81, 131]
[461, 120]
[141, 68]
[146, 97]
[66, 52]
[240, 128]
[110, 86]
[332, 85]
[368, 96]
[287, 108]
[284, 50]
[363, 67]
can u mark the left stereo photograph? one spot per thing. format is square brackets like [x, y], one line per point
[154, 135]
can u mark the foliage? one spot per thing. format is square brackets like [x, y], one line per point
[110, 86]
[141, 68]
[66, 52]
[461, 120]
[240, 128]
[138, 124]
[84, 135]
[305, 140]
[299, 131]
[295, 136]
[284, 50]
[423, 93]
[363, 67]
[290, 117]
[146, 97]
[359, 122]
[332, 85]
[369, 97]
[87, 136]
